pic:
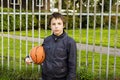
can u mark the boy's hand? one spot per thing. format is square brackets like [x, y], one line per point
[28, 60]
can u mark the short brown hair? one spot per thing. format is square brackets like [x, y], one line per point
[56, 15]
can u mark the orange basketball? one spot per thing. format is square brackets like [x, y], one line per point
[37, 54]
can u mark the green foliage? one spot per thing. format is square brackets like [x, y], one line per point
[113, 22]
[106, 4]
[98, 22]
[15, 19]
[19, 75]
[83, 74]
[69, 19]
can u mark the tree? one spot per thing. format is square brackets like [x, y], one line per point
[106, 4]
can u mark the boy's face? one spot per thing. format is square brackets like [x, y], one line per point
[57, 26]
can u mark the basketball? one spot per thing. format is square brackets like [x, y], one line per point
[37, 54]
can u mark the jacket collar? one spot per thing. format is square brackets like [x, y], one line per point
[58, 37]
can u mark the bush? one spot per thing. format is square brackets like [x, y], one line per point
[42, 21]
[17, 21]
[70, 21]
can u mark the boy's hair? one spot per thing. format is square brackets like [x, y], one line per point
[56, 15]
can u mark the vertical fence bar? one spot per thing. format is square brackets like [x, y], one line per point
[33, 28]
[39, 28]
[115, 40]
[39, 23]
[52, 5]
[26, 29]
[101, 35]
[20, 34]
[73, 34]
[94, 36]
[33, 23]
[46, 17]
[2, 45]
[14, 41]
[109, 27]
[87, 32]
[8, 17]
[102, 14]
[80, 31]
[67, 7]
[59, 5]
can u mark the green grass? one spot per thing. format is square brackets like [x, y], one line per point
[17, 68]
[81, 36]
[31, 73]
[96, 62]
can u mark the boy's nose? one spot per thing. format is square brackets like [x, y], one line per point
[56, 26]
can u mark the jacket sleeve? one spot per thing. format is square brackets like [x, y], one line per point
[72, 52]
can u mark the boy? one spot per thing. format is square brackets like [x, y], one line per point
[60, 49]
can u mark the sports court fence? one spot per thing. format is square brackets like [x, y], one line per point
[24, 24]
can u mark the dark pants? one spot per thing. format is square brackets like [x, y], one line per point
[44, 77]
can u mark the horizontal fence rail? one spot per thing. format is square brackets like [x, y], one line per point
[77, 14]
[94, 24]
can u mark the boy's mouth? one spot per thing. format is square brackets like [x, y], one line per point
[56, 30]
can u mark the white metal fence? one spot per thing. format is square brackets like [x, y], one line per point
[16, 41]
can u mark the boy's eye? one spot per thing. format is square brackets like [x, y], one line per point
[53, 23]
[59, 23]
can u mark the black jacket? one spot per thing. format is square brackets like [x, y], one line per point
[60, 58]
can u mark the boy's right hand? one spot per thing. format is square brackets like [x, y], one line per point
[28, 60]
